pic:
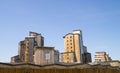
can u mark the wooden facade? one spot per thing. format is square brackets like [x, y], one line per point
[56, 68]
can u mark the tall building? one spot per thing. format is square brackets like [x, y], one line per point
[32, 50]
[102, 57]
[26, 47]
[29, 49]
[46, 55]
[73, 42]
[74, 50]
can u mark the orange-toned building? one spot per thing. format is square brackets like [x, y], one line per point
[74, 50]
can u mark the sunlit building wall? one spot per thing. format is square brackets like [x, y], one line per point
[73, 43]
[102, 57]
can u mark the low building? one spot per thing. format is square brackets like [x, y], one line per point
[45, 55]
[15, 59]
[64, 57]
[113, 63]
[102, 57]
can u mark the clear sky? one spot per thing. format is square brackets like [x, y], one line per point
[99, 21]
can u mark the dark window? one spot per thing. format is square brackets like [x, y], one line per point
[70, 36]
[67, 57]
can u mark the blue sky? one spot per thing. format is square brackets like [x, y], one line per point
[99, 21]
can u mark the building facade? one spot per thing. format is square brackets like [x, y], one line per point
[73, 43]
[26, 47]
[39, 39]
[45, 55]
[87, 58]
[74, 50]
[86, 55]
[65, 59]
[32, 50]
[15, 59]
[102, 57]
[21, 50]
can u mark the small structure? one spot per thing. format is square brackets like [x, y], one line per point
[102, 57]
[45, 55]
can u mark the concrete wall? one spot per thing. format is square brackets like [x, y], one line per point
[41, 56]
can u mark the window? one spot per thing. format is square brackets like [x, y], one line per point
[67, 57]
[47, 54]
[67, 47]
